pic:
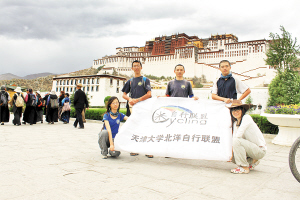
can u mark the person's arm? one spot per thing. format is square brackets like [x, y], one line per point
[216, 97]
[143, 98]
[245, 94]
[111, 142]
[246, 121]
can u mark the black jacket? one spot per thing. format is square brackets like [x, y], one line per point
[80, 99]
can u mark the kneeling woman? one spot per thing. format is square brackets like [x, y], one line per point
[249, 145]
[112, 119]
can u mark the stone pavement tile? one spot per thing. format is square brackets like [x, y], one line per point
[73, 166]
[133, 193]
[51, 194]
[194, 195]
[86, 176]
[274, 194]
[167, 187]
[13, 191]
[284, 185]
[233, 187]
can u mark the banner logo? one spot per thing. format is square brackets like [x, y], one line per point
[178, 114]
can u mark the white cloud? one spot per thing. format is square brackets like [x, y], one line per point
[63, 36]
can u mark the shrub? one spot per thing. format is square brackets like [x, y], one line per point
[284, 89]
[264, 125]
[94, 113]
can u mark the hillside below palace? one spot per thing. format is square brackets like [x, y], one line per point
[199, 57]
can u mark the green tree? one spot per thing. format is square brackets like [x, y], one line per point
[282, 54]
[284, 89]
[282, 51]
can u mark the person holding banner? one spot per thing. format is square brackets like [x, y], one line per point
[227, 86]
[112, 119]
[135, 90]
[180, 87]
[248, 143]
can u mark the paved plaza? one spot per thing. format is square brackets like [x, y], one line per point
[60, 162]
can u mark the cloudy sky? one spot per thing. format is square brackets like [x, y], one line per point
[63, 36]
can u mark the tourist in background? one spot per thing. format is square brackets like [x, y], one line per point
[52, 108]
[248, 143]
[80, 100]
[60, 105]
[227, 86]
[45, 99]
[18, 104]
[112, 119]
[65, 116]
[4, 111]
[31, 102]
[39, 107]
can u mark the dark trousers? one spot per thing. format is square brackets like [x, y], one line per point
[78, 118]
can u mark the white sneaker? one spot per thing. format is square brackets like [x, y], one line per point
[104, 157]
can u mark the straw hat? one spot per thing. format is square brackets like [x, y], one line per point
[38, 92]
[18, 89]
[238, 103]
[79, 85]
[53, 92]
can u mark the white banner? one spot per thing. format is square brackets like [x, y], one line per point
[178, 128]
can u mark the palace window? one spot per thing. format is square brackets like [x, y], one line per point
[118, 82]
[87, 88]
[67, 82]
[111, 81]
[97, 80]
[88, 81]
[83, 89]
[71, 89]
[117, 90]
[60, 82]
[67, 90]
[71, 82]
[83, 81]
[97, 88]
[92, 89]
[92, 81]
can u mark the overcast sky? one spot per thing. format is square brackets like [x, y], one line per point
[63, 36]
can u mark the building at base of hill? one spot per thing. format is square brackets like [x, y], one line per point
[97, 87]
[199, 56]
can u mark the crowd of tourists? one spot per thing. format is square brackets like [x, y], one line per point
[30, 108]
[249, 145]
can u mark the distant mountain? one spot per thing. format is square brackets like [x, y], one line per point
[34, 76]
[10, 76]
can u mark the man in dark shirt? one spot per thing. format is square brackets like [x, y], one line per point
[79, 101]
[227, 86]
[180, 87]
[136, 89]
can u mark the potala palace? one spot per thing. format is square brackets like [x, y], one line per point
[199, 56]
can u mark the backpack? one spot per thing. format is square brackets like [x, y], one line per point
[32, 100]
[3, 99]
[19, 101]
[40, 102]
[53, 103]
